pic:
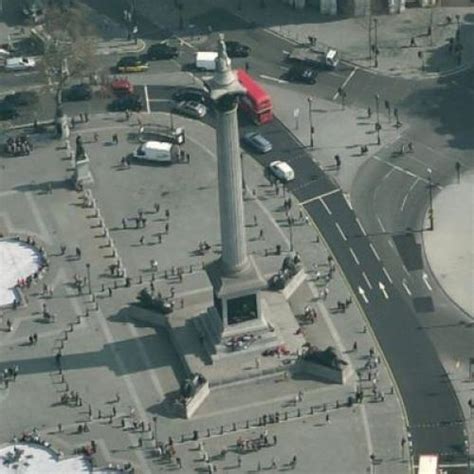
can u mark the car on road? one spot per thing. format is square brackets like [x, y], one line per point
[281, 170]
[191, 108]
[191, 93]
[130, 102]
[132, 64]
[20, 64]
[8, 111]
[236, 49]
[19, 99]
[121, 86]
[302, 73]
[78, 92]
[257, 142]
[162, 51]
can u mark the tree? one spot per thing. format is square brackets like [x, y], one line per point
[70, 47]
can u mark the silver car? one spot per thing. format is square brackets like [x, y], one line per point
[191, 108]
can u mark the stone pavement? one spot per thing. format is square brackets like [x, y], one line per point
[107, 353]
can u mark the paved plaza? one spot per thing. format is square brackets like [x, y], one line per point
[124, 369]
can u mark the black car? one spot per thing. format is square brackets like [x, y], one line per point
[191, 94]
[236, 49]
[8, 111]
[130, 102]
[78, 92]
[300, 73]
[19, 99]
[161, 51]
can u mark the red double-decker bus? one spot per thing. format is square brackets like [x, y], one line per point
[257, 102]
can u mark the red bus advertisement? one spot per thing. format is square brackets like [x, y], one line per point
[257, 103]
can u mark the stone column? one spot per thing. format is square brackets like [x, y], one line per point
[229, 170]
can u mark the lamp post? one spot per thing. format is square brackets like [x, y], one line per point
[311, 126]
[155, 419]
[430, 195]
[88, 268]
[377, 103]
[290, 222]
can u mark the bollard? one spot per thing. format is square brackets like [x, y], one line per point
[324, 408]
[65, 335]
[247, 424]
[87, 313]
[182, 438]
[78, 319]
[286, 416]
[298, 413]
[97, 306]
[190, 269]
[101, 224]
[103, 288]
[208, 433]
[234, 427]
[140, 279]
[222, 429]
[115, 284]
[166, 275]
[153, 276]
[93, 298]
[311, 412]
[114, 253]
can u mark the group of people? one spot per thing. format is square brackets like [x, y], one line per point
[18, 146]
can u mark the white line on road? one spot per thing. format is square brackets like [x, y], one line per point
[274, 79]
[362, 293]
[344, 84]
[340, 231]
[348, 200]
[354, 256]
[381, 225]
[425, 279]
[387, 175]
[391, 244]
[405, 269]
[186, 43]
[414, 184]
[160, 100]
[361, 226]
[404, 202]
[326, 207]
[320, 196]
[383, 290]
[371, 245]
[404, 283]
[367, 280]
[387, 275]
[147, 99]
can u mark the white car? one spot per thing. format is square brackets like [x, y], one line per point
[282, 171]
[4, 53]
[19, 64]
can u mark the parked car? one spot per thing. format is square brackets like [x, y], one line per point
[191, 108]
[132, 64]
[78, 92]
[130, 102]
[8, 111]
[4, 53]
[301, 73]
[281, 170]
[191, 94]
[162, 51]
[257, 142]
[19, 99]
[121, 86]
[236, 49]
[19, 64]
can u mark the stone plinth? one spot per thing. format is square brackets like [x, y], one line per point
[82, 173]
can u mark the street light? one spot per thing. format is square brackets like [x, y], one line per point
[430, 195]
[155, 419]
[311, 126]
[88, 267]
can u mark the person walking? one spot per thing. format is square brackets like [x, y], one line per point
[115, 139]
[142, 239]
[337, 159]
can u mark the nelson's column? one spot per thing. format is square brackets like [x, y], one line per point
[235, 278]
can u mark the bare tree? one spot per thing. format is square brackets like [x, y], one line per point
[70, 47]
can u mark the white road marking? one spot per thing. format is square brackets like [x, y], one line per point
[147, 99]
[160, 100]
[387, 275]
[348, 200]
[414, 184]
[319, 196]
[344, 84]
[371, 245]
[404, 202]
[404, 283]
[362, 293]
[354, 256]
[381, 225]
[367, 280]
[387, 175]
[425, 279]
[275, 79]
[189, 45]
[284, 68]
[361, 226]
[405, 268]
[326, 207]
[391, 244]
[340, 231]
[383, 290]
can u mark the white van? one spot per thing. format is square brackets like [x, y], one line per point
[159, 152]
[206, 60]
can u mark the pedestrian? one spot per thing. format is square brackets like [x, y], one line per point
[73, 122]
[110, 292]
[178, 462]
[239, 461]
[9, 325]
[63, 249]
[81, 117]
[354, 346]
[124, 223]
[337, 159]
[142, 239]
[274, 440]
[114, 411]
[167, 228]
[78, 253]
[86, 117]
[293, 461]
[115, 139]
[35, 338]
[260, 234]
[369, 112]
[412, 42]
[157, 207]
[328, 419]
[96, 137]
[167, 213]
[255, 222]
[188, 158]
[274, 464]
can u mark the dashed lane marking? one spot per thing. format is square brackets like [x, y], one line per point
[359, 223]
[340, 231]
[387, 275]
[404, 283]
[381, 224]
[348, 200]
[425, 280]
[404, 202]
[366, 278]
[371, 245]
[354, 256]
[326, 207]
[344, 84]
[320, 196]
[274, 79]
[147, 99]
